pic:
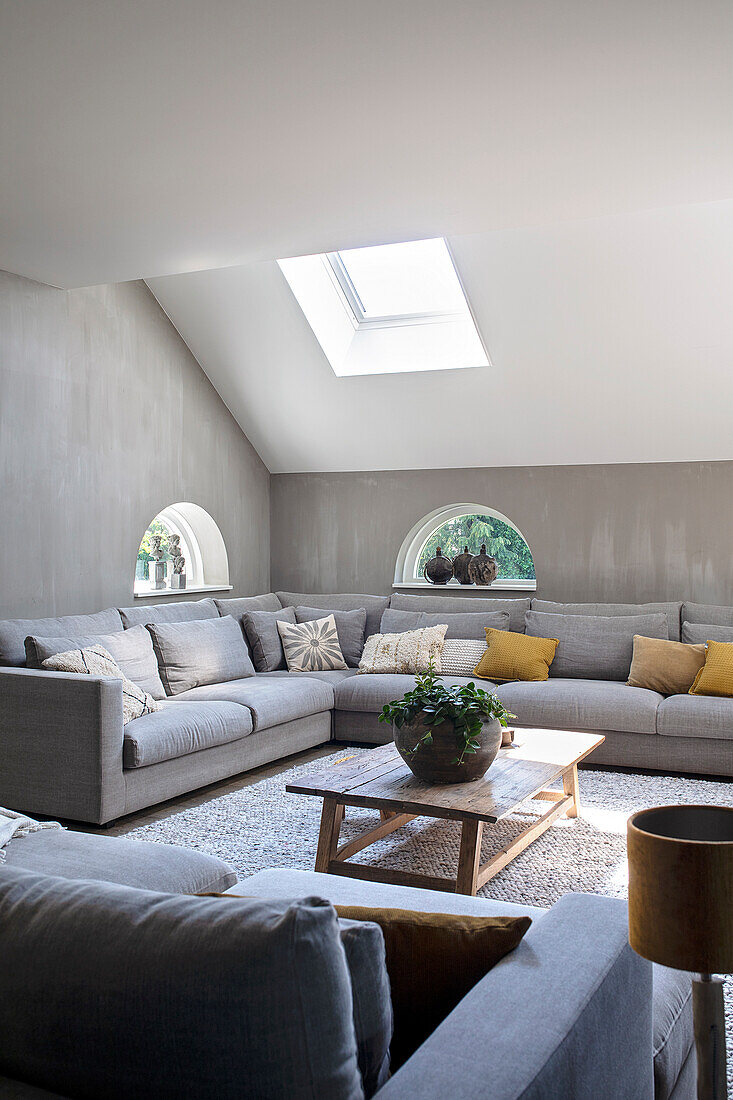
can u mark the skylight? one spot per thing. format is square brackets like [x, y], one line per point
[387, 309]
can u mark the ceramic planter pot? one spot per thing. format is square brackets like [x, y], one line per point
[434, 763]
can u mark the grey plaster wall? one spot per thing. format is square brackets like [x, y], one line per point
[612, 532]
[106, 417]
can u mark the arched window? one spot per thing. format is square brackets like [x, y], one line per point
[191, 530]
[473, 525]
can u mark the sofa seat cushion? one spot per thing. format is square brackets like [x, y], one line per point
[696, 716]
[116, 859]
[369, 693]
[272, 701]
[13, 632]
[582, 705]
[180, 728]
[330, 676]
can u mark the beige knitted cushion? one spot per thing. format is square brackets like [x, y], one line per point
[410, 652]
[95, 660]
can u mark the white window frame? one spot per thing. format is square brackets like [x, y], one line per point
[406, 576]
[202, 544]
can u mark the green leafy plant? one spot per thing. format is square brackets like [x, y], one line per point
[433, 703]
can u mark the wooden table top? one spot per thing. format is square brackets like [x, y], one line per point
[381, 779]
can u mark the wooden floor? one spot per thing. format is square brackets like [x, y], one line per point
[205, 794]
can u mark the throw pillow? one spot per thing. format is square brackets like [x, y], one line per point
[460, 656]
[461, 624]
[511, 656]
[667, 667]
[264, 639]
[595, 647]
[132, 650]
[716, 675]
[96, 661]
[201, 651]
[703, 632]
[312, 646]
[350, 627]
[410, 653]
[433, 960]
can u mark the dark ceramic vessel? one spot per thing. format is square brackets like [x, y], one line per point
[439, 569]
[482, 568]
[460, 566]
[433, 764]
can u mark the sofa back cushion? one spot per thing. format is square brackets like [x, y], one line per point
[268, 601]
[110, 991]
[179, 612]
[350, 627]
[461, 624]
[263, 636]
[132, 650]
[594, 647]
[706, 632]
[204, 651]
[707, 613]
[607, 610]
[340, 601]
[13, 632]
[517, 608]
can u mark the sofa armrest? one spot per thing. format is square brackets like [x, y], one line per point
[567, 1014]
[61, 739]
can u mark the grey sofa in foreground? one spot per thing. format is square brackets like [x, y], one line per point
[207, 1009]
[65, 752]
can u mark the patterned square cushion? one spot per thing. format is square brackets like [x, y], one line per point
[411, 652]
[312, 646]
[96, 661]
[460, 656]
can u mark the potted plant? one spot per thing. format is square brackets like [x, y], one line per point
[446, 734]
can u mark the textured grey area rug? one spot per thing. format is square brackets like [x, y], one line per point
[262, 826]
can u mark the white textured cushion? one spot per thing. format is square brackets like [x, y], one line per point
[460, 656]
[312, 646]
[96, 661]
[409, 652]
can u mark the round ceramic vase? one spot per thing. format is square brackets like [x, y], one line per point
[434, 764]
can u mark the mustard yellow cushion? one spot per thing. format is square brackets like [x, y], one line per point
[511, 656]
[667, 667]
[716, 675]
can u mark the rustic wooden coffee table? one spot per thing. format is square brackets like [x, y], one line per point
[381, 780]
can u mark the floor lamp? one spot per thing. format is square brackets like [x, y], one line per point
[681, 914]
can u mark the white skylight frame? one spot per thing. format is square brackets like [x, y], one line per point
[357, 344]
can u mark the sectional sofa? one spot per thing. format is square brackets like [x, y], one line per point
[65, 752]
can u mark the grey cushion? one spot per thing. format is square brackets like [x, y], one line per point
[132, 650]
[363, 944]
[673, 1032]
[114, 992]
[582, 705]
[138, 863]
[350, 627]
[696, 716]
[262, 634]
[670, 609]
[271, 700]
[516, 607]
[208, 651]
[461, 624]
[369, 693]
[330, 676]
[706, 632]
[268, 601]
[180, 728]
[13, 632]
[707, 613]
[182, 611]
[594, 647]
[340, 601]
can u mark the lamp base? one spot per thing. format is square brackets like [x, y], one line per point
[709, 1023]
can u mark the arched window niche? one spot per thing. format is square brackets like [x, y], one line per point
[456, 526]
[201, 544]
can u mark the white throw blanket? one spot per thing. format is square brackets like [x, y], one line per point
[13, 824]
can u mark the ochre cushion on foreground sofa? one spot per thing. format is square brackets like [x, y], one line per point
[716, 675]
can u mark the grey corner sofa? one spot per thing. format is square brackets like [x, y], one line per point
[194, 997]
[65, 752]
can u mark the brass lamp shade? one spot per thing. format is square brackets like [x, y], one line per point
[681, 887]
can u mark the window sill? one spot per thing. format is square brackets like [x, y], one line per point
[182, 591]
[497, 586]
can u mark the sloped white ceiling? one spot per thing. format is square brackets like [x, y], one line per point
[611, 340]
[149, 137]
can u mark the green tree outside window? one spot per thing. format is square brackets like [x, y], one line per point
[513, 556]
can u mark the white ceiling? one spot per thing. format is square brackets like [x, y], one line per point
[148, 137]
[611, 340]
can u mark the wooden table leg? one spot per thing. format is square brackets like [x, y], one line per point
[469, 856]
[331, 817]
[570, 786]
